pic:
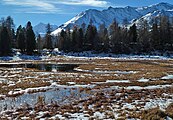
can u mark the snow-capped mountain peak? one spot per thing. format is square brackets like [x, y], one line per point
[119, 13]
[41, 28]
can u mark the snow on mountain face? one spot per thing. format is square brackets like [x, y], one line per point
[41, 28]
[132, 14]
[158, 7]
[156, 14]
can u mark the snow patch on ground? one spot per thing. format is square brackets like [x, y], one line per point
[161, 103]
[126, 72]
[129, 106]
[99, 115]
[3, 80]
[140, 88]
[167, 77]
[117, 81]
[149, 87]
[45, 54]
[143, 80]
[105, 71]
[54, 84]
[78, 116]
[71, 83]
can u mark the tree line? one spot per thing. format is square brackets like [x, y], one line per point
[136, 39]
[23, 38]
[118, 39]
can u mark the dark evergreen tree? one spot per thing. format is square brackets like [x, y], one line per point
[61, 40]
[9, 23]
[68, 40]
[124, 38]
[90, 37]
[165, 33]
[133, 33]
[17, 34]
[144, 37]
[106, 41]
[5, 45]
[74, 39]
[30, 39]
[155, 39]
[80, 39]
[133, 38]
[48, 37]
[103, 38]
[115, 37]
[21, 39]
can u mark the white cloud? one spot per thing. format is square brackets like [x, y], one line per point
[95, 3]
[51, 6]
[43, 6]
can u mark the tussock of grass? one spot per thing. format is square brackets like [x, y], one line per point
[169, 110]
[154, 114]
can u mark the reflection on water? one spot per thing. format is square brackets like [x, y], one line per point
[43, 67]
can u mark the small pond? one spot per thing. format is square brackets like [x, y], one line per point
[44, 67]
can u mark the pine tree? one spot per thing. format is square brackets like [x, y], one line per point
[144, 37]
[133, 33]
[115, 40]
[124, 38]
[21, 40]
[106, 41]
[5, 46]
[74, 39]
[30, 39]
[165, 33]
[68, 40]
[103, 38]
[101, 32]
[17, 34]
[9, 23]
[61, 40]
[133, 38]
[48, 37]
[90, 37]
[155, 39]
[80, 39]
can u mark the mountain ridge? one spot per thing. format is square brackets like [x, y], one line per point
[106, 16]
[41, 28]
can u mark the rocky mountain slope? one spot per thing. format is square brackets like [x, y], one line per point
[131, 14]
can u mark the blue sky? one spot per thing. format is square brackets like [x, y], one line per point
[59, 11]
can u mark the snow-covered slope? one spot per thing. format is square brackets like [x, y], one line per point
[156, 14]
[132, 14]
[157, 7]
[41, 28]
